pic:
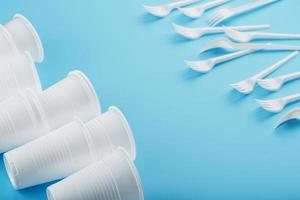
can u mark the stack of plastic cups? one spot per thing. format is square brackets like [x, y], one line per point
[27, 116]
[68, 149]
[113, 178]
[19, 36]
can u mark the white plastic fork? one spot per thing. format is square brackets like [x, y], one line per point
[226, 44]
[247, 86]
[293, 114]
[277, 105]
[249, 36]
[195, 33]
[225, 13]
[274, 84]
[198, 11]
[166, 9]
[205, 66]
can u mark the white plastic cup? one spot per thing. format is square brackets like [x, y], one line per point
[114, 124]
[20, 120]
[70, 97]
[113, 178]
[67, 150]
[25, 37]
[8, 48]
[28, 115]
[17, 75]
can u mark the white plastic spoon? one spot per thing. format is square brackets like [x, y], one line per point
[247, 86]
[195, 33]
[294, 114]
[226, 44]
[204, 66]
[277, 105]
[249, 36]
[164, 10]
[198, 11]
[274, 84]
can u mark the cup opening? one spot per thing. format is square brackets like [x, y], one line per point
[128, 130]
[89, 88]
[11, 170]
[37, 40]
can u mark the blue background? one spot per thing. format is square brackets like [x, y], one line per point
[196, 137]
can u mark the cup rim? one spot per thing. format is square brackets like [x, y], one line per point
[128, 130]
[36, 37]
[9, 166]
[36, 78]
[89, 88]
[134, 171]
[10, 41]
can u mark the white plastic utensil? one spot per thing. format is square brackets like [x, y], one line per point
[24, 37]
[249, 36]
[226, 44]
[277, 105]
[274, 84]
[247, 86]
[29, 115]
[113, 178]
[198, 11]
[204, 66]
[164, 10]
[293, 114]
[69, 149]
[195, 33]
[226, 13]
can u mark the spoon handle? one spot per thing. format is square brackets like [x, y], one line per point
[258, 35]
[251, 6]
[232, 56]
[291, 77]
[181, 3]
[292, 98]
[214, 3]
[275, 66]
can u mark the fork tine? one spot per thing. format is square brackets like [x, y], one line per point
[213, 17]
[219, 21]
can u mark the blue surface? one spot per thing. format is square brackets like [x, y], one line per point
[196, 138]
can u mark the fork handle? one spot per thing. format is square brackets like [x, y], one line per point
[231, 56]
[214, 3]
[272, 68]
[291, 76]
[221, 29]
[275, 35]
[292, 98]
[252, 6]
[181, 3]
